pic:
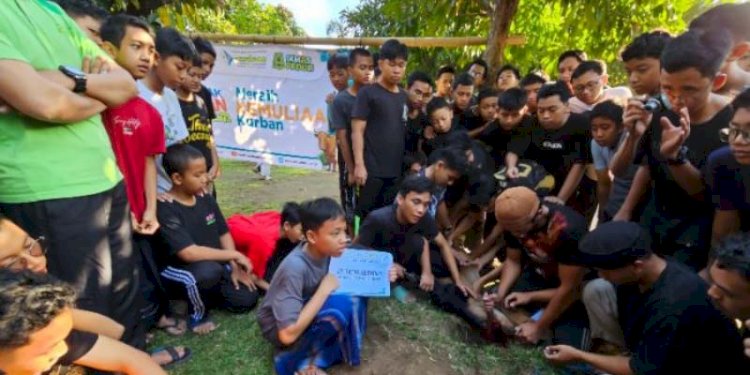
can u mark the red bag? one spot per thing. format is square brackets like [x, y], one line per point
[255, 236]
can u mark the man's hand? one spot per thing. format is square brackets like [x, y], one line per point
[562, 354]
[148, 226]
[396, 272]
[428, 132]
[529, 332]
[98, 65]
[427, 281]
[517, 299]
[329, 284]
[242, 261]
[511, 172]
[673, 137]
[360, 175]
[239, 276]
[554, 199]
[165, 197]
[635, 119]
[466, 290]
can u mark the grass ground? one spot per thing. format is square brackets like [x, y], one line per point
[402, 338]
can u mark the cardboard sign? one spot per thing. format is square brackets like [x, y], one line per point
[362, 273]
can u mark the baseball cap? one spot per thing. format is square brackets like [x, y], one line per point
[614, 245]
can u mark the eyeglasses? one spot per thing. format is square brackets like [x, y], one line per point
[33, 247]
[731, 133]
[590, 86]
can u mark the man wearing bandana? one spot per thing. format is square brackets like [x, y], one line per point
[541, 274]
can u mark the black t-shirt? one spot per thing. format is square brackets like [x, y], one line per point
[200, 129]
[729, 184]
[468, 119]
[79, 344]
[205, 94]
[669, 198]
[181, 226]
[341, 113]
[282, 249]
[440, 140]
[674, 328]
[381, 231]
[498, 140]
[385, 134]
[414, 131]
[557, 150]
[557, 242]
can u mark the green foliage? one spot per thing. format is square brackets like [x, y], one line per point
[599, 27]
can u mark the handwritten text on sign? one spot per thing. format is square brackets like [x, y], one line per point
[362, 273]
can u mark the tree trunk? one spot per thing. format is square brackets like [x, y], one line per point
[502, 17]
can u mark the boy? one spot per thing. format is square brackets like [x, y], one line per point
[407, 230]
[199, 261]
[361, 71]
[675, 148]
[38, 312]
[136, 133]
[478, 70]
[657, 307]
[195, 114]
[512, 124]
[487, 108]
[733, 18]
[589, 82]
[338, 74]
[419, 90]
[207, 55]
[607, 134]
[531, 84]
[444, 82]
[560, 144]
[463, 92]
[728, 173]
[310, 328]
[87, 16]
[507, 77]
[541, 273]
[291, 235]
[442, 123]
[379, 130]
[174, 54]
[641, 60]
[568, 62]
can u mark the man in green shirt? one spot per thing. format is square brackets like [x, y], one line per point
[58, 176]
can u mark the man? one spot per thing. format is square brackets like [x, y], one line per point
[444, 82]
[419, 91]
[541, 274]
[87, 15]
[729, 277]
[478, 69]
[60, 178]
[660, 307]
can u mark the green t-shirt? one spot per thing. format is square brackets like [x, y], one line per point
[39, 160]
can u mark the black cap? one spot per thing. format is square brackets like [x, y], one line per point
[614, 245]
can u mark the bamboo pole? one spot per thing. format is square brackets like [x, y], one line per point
[376, 42]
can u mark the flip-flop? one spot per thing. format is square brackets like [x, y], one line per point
[176, 359]
[171, 329]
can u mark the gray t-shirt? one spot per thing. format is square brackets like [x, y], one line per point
[341, 113]
[293, 284]
[620, 185]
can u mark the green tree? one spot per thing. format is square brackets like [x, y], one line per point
[599, 27]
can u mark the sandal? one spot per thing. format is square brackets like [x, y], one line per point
[173, 354]
[177, 328]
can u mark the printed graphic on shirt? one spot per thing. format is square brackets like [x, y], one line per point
[128, 125]
[210, 219]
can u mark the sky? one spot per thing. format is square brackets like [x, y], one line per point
[313, 15]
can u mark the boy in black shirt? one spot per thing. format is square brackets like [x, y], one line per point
[419, 89]
[641, 60]
[444, 82]
[512, 124]
[200, 262]
[442, 123]
[487, 110]
[197, 119]
[361, 72]
[463, 94]
[677, 143]
[542, 272]
[207, 54]
[669, 324]
[379, 131]
[728, 173]
[560, 144]
[507, 77]
[531, 84]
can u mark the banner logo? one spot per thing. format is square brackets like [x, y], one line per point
[298, 63]
[251, 60]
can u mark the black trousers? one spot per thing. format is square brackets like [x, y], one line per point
[378, 192]
[90, 247]
[155, 299]
[207, 284]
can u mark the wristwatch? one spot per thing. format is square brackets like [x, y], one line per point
[681, 157]
[77, 75]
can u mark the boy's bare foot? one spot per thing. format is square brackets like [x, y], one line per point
[310, 370]
[166, 357]
[204, 327]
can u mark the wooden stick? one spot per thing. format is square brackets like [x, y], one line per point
[409, 41]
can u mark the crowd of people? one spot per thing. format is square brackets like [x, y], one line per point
[607, 225]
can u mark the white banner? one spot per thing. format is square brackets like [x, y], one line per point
[269, 102]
